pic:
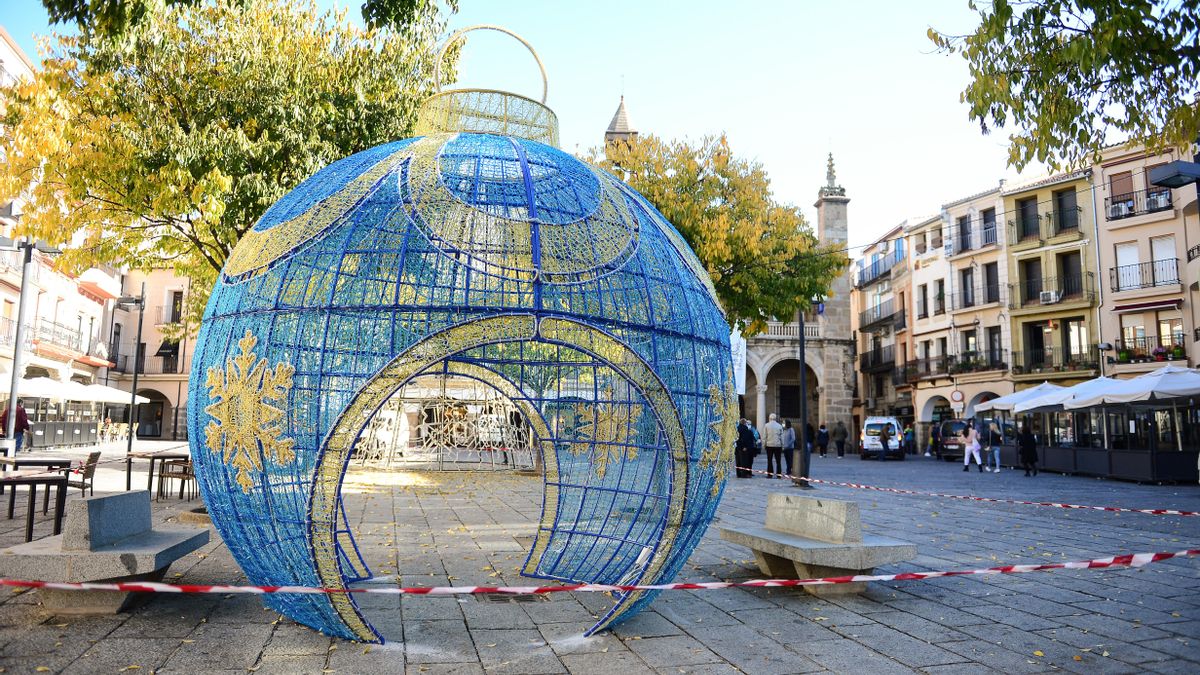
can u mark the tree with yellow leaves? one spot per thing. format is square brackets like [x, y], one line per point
[764, 260]
[163, 147]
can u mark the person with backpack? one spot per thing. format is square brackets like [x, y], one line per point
[840, 434]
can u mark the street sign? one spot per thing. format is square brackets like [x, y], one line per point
[956, 396]
[956, 406]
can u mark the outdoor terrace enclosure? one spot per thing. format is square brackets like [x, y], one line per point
[466, 255]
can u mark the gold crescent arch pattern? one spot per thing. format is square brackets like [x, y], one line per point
[330, 470]
[521, 248]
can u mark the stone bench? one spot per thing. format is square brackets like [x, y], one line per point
[107, 538]
[806, 537]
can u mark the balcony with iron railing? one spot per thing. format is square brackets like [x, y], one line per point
[879, 315]
[899, 320]
[1024, 229]
[881, 358]
[939, 304]
[1050, 360]
[1144, 275]
[980, 234]
[1052, 291]
[879, 268]
[931, 366]
[903, 374]
[151, 365]
[57, 334]
[977, 296]
[1137, 203]
[1141, 348]
[1061, 223]
[978, 361]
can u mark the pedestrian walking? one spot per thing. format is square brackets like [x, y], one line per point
[839, 437]
[789, 445]
[1027, 444]
[773, 443]
[809, 436]
[744, 449]
[20, 426]
[910, 440]
[823, 440]
[935, 441]
[971, 446]
[993, 449]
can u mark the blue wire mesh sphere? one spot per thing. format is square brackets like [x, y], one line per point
[477, 256]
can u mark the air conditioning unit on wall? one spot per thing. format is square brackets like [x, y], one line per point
[870, 403]
[1049, 297]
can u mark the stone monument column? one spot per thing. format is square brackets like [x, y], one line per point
[837, 376]
[760, 415]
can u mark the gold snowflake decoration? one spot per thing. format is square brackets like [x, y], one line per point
[606, 428]
[719, 453]
[245, 428]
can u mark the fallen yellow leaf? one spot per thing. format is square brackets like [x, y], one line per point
[1038, 652]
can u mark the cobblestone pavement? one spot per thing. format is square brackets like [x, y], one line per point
[466, 528]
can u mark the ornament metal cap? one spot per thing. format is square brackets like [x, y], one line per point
[488, 111]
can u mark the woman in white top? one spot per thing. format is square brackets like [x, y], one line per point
[971, 446]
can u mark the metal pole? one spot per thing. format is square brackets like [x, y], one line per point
[137, 365]
[18, 353]
[801, 453]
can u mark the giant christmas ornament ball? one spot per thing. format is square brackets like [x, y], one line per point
[471, 255]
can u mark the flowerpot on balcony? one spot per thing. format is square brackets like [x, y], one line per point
[1177, 352]
[1018, 370]
[1123, 356]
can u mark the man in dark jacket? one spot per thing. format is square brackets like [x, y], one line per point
[21, 426]
[744, 449]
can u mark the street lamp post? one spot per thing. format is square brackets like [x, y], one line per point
[129, 301]
[10, 442]
[802, 454]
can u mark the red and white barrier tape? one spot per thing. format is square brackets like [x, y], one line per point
[994, 500]
[1128, 560]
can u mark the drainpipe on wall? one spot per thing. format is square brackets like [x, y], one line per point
[1099, 275]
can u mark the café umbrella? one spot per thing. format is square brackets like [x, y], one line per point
[1008, 401]
[1168, 383]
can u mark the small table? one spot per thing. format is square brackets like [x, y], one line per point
[34, 479]
[159, 456]
[18, 462]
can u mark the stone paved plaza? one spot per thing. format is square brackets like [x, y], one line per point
[468, 528]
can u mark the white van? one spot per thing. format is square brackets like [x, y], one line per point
[869, 438]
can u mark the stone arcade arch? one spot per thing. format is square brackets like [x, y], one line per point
[981, 397]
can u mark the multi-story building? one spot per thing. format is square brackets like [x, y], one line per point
[1146, 313]
[979, 359]
[879, 313]
[162, 363]
[1052, 290]
[928, 367]
[65, 315]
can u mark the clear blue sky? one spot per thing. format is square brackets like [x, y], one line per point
[787, 81]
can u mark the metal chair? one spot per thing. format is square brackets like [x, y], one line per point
[87, 471]
[181, 470]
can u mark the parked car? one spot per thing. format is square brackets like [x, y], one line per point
[869, 443]
[951, 446]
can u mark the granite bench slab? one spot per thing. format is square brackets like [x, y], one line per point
[106, 538]
[806, 538]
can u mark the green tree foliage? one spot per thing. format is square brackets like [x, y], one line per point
[1073, 75]
[163, 149]
[763, 257]
[114, 17]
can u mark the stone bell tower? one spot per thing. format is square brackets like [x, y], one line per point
[837, 378]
